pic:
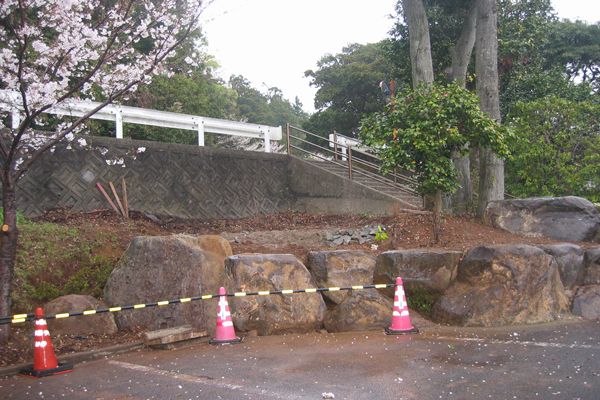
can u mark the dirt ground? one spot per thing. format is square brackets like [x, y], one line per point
[295, 233]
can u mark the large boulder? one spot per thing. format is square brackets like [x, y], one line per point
[361, 311]
[428, 269]
[571, 218]
[98, 324]
[586, 302]
[341, 268]
[273, 314]
[569, 258]
[164, 268]
[592, 267]
[501, 285]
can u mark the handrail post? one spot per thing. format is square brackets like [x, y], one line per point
[119, 123]
[335, 155]
[200, 127]
[289, 147]
[267, 139]
[350, 162]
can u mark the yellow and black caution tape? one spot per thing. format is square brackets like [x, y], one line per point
[18, 318]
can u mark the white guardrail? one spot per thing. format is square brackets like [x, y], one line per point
[10, 100]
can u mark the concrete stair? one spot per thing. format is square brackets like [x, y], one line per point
[372, 181]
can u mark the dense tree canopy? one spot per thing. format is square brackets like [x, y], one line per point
[556, 149]
[348, 87]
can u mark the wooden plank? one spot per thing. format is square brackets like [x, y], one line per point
[172, 335]
[107, 197]
[114, 192]
[125, 200]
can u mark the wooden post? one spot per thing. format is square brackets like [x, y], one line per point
[125, 200]
[114, 192]
[107, 197]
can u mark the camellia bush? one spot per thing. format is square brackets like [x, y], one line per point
[421, 130]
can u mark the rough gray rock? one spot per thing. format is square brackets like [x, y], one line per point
[431, 269]
[501, 285]
[165, 268]
[569, 258]
[341, 268]
[571, 218]
[99, 324]
[361, 311]
[592, 266]
[348, 236]
[273, 314]
[586, 302]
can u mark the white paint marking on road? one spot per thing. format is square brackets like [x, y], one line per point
[522, 343]
[205, 380]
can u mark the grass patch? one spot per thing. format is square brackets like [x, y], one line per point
[54, 260]
[422, 300]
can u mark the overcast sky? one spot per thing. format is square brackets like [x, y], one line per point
[272, 42]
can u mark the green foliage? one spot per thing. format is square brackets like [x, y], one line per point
[348, 87]
[421, 300]
[21, 220]
[381, 234]
[575, 46]
[431, 122]
[53, 260]
[556, 151]
[270, 109]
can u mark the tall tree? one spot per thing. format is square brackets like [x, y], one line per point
[55, 50]
[420, 46]
[461, 56]
[348, 87]
[491, 172]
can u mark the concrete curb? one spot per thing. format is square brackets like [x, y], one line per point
[77, 358]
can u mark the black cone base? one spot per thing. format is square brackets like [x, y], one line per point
[230, 341]
[389, 331]
[62, 368]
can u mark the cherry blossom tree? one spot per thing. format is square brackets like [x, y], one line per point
[54, 51]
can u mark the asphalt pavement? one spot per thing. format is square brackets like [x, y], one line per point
[550, 361]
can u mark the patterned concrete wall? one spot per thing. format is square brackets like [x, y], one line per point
[163, 179]
[190, 182]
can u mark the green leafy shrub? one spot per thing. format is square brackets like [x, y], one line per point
[381, 234]
[557, 149]
[421, 300]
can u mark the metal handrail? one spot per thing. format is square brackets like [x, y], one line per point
[351, 162]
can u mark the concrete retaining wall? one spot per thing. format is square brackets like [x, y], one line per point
[190, 182]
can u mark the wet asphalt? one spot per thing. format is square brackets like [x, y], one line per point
[550, 361]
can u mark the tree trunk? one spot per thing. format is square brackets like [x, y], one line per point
[436, 216]
[461, 53]
[461, 201]
[420, 46]
[491, 173]
[8, 252]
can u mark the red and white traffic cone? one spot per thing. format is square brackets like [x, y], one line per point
[44, 359]
[225, 333]
[400, 318]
